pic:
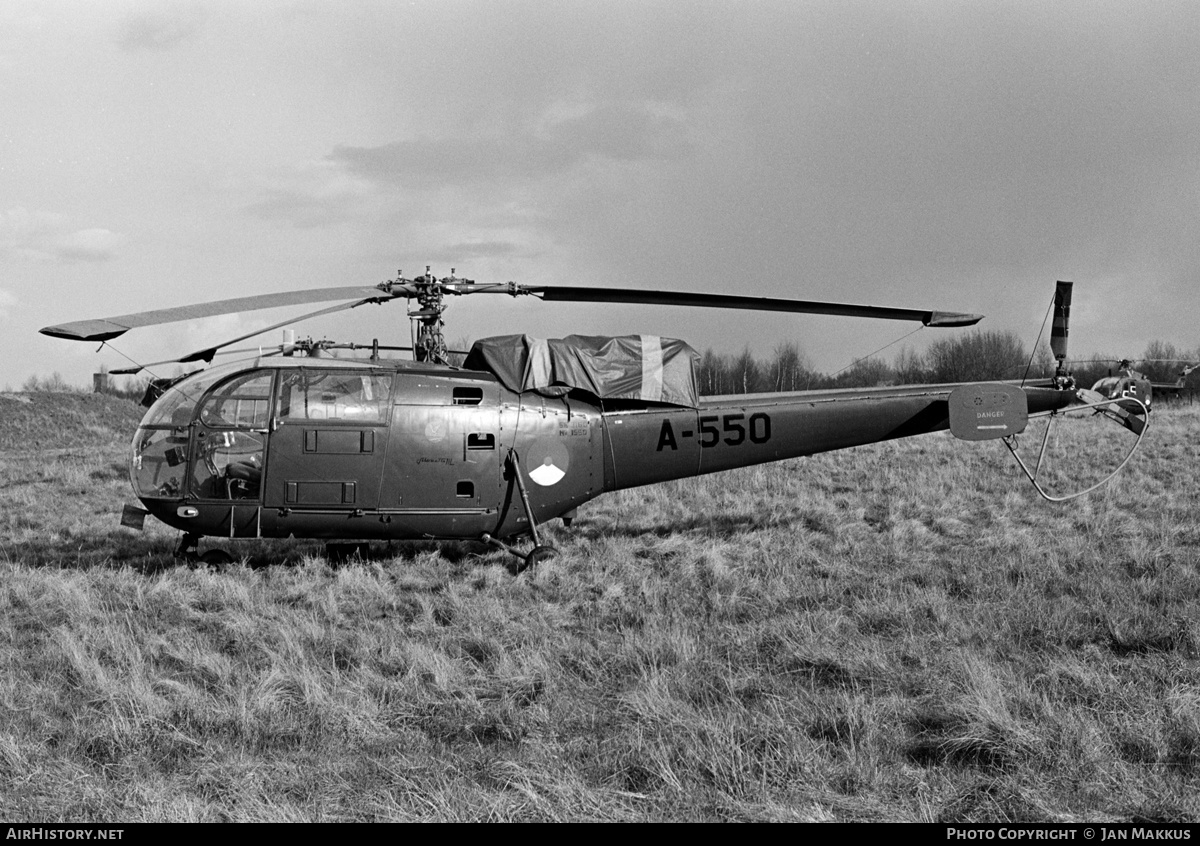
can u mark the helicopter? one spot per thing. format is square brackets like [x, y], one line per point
[1127, 386]
[296, 443]
[1166, 389]
[1132, 387]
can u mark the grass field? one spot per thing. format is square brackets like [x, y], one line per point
[902, 632]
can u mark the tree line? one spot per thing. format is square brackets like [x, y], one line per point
[975, 356]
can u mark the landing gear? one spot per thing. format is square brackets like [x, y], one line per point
[540, 552]
[522, 561]
[537, 555]
[188, 551]
[216, 559]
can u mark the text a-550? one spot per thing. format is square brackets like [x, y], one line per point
[733, 430]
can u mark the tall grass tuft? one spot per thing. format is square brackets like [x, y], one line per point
[898, 632]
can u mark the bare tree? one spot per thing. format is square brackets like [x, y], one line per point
[976, 357]
[712, 374]
[747, 374]
[910, 367]
[1161, 362]
[865, 373]
[788, 370]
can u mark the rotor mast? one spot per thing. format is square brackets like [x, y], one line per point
[428, 342]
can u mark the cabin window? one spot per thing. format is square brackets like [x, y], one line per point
[468, 396]
[477, 440]
[177, 405]
[243, 402]
[228, 464]
[362, 397]
[466, 490]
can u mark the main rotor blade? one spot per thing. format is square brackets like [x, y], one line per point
[132, 371]
[107, 328]
[207, 353]
[568, 293]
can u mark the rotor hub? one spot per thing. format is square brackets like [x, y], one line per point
[429, 344]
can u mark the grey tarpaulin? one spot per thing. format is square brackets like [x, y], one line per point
[636, 367]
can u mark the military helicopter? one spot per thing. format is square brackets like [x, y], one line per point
[1129, 383]
[294, 443]
[1127, 386]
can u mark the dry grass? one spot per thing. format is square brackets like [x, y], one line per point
[900, 632]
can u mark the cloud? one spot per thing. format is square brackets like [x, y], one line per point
[161, 29]
[7, 301]
[87, 245]
[46, 236]
[486, 249]
[314, 194]
[615, 133]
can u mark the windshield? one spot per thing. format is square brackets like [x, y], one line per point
[164, 445]
[178, 402]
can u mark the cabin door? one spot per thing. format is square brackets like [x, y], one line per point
[446, 459]
[446, 454]
[329, 440]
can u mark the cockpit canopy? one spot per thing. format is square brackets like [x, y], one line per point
[205, 435]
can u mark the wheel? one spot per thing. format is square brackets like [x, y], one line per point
[521, 563]
[534, 557]
[216, 559]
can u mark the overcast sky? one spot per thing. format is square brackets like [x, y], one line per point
[951, 155]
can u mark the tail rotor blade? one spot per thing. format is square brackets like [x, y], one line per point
[1062, 317]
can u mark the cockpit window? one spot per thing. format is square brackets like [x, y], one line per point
[243, 402]
[357, 397]
[220, 456]
[177, 403]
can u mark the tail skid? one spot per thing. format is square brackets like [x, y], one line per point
[998, 411]
[1097, 404]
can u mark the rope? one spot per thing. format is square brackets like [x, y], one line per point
[1033, 352]
[878, 351]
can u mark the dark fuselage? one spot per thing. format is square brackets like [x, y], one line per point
[328, 448]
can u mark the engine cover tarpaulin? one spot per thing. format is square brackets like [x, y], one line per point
[635, 367]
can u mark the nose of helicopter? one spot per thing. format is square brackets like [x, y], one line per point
[158, 455]
[159, 452]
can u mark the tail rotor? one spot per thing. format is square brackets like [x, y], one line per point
[1060, 327]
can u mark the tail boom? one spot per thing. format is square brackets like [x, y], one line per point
[649, 445]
